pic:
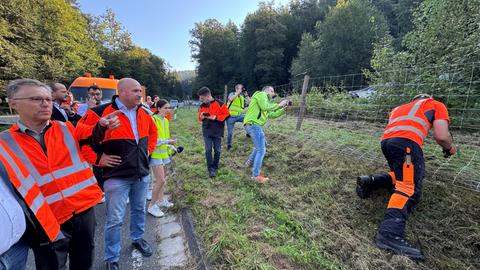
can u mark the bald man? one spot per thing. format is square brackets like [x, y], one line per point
[124, 156]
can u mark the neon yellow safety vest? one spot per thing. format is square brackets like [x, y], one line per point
[161, 151]
[237, 106]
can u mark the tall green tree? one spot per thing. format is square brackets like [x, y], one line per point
[344, 42]
[262, 47]
[46, 40]
[214, 48]
[69, 51]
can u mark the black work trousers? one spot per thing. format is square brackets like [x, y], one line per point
[407, 180]
[78, 244]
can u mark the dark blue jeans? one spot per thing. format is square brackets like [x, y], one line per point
[15, 258]
[231, 125]
[216, 144]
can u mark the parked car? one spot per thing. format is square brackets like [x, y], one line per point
[173, 103]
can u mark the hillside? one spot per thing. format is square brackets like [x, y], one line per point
[308, 216]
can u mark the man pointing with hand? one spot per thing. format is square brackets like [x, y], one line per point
[124, 155]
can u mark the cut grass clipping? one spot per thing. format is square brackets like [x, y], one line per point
[308, 215]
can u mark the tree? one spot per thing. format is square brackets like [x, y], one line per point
[68, 52]
[46, 40]
[262, 47]
[344, 42]
[214, 47]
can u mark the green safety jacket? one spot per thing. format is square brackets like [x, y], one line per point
[161, 151]
[236, 106]
[261, 108]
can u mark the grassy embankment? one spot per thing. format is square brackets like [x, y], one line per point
[308, 216]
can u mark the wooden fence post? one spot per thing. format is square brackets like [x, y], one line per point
[225, 94]
[303, 104]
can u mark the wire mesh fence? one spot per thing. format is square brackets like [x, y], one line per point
[366, 99]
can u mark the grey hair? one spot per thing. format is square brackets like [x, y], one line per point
[266, 87]
[14, 86]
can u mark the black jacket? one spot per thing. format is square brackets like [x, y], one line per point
[57, 115]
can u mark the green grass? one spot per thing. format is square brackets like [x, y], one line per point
[308, 216]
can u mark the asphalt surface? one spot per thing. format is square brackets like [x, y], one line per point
[129, 258]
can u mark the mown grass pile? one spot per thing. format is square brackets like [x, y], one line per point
[308, 216]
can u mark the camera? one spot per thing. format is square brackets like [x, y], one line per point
[206, 114]
[289, 103]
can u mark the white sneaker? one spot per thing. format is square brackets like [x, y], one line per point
[166, 204]
[155, 211]
[149, 195]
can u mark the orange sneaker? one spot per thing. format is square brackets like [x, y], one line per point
[260, 179]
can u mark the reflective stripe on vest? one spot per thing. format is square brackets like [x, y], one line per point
[410, 116]
[7, 137]
[26, 184]
[42, 180]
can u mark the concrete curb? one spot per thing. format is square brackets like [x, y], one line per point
[194, 245]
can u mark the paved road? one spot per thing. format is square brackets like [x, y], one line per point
[164, 234]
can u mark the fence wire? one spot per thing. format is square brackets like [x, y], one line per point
[366, 99]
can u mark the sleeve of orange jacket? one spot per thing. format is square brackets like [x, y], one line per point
[152, 136]
[223, 113]
[89, 119]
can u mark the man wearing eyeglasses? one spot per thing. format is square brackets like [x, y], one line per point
[94, 99]
[56, 177]
[60, 111]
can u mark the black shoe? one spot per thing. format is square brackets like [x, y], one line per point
[399, 246]
[229, 147]
[212, 173]
[363, 186]
[112, 266]
[144, 247]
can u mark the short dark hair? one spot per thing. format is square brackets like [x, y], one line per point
[204, 91]
[53, 86]
[94, 87]
[161, 103]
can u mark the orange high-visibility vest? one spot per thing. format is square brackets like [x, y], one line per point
[24, 183]
[64, 177]
[409, 120]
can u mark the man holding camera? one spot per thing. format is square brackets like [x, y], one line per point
[237, 101]
[212, 113]
[402, 139]
[260, 109]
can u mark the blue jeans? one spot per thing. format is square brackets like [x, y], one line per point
[216, 143]
[230, 126]
[116, 193]
[15, 258]
[259, 147]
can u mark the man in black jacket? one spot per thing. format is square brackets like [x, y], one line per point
[62, 112]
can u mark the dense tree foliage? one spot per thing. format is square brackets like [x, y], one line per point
[51, 40]
[344, 40]
[441, 50]
[46, 40]
[214, 47]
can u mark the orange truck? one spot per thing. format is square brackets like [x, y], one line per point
[108, 86]
[80, 86]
